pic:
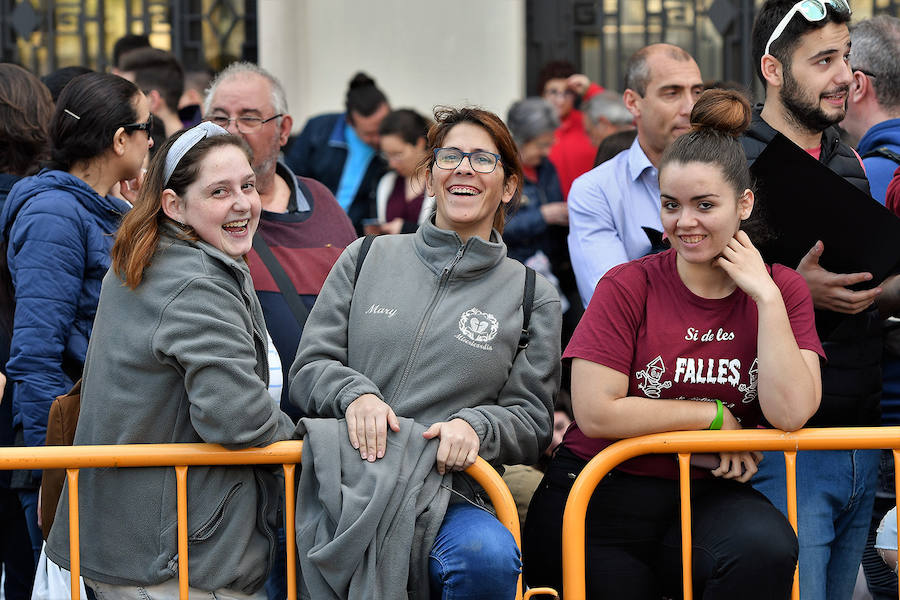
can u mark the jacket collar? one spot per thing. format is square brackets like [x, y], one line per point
[337, 137]
[297, 202]
[106, 208]
[886, 132]
[441, 250]
[764, 132]
[175, 237]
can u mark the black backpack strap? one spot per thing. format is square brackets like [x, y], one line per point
[361, 257]
[527, 303]
[282, 280]
[883, 152]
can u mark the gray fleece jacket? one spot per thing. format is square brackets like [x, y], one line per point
[181, 358]
[364, 530]
[432, 328]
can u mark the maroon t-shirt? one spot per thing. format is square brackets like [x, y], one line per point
[643, 321]
[398, 207]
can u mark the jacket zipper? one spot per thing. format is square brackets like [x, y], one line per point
[445, 277]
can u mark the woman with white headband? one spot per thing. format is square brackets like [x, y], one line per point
[179, 355]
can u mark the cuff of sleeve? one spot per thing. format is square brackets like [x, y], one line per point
[350, 395]
[474, 418]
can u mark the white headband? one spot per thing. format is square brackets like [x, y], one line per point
[187, 141]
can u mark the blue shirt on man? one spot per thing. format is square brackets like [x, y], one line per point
[359, 154]
[608, 207]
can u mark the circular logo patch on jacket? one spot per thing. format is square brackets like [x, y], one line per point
[478, 326]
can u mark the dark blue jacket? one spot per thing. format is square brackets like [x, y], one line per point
[59, 233]
[879, 169]
[526, 231]
[320, 151]
[6, 429]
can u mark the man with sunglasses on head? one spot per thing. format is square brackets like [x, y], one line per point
[802, 53]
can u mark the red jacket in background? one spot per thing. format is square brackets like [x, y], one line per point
[573, 153]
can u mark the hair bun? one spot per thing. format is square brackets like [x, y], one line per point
[361, 80]
[725, 111]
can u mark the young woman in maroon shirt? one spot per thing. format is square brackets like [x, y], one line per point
[702, 336]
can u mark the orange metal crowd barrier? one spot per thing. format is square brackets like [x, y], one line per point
[183, 456]
[683, 444]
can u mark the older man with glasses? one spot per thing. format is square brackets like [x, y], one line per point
[802, 53]
[301, 224]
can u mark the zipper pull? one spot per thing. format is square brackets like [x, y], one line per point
[455, 260]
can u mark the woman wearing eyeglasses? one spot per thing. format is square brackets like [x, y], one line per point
[702, 336]
[442, 364]
[57, 230]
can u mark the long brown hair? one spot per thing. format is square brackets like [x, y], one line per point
[25, 111]
[446, 118]
[138, 236]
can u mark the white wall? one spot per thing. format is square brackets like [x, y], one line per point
[420, 52]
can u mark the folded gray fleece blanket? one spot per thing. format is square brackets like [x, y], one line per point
[364, 530]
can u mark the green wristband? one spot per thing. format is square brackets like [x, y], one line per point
[719, 418]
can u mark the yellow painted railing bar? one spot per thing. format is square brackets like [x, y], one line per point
[790, 477]
[290, 537]
[836, 438]
[687, 573]
[74, 542]
[181, 456]
[541, 591]
[181, 508]
[147, 455]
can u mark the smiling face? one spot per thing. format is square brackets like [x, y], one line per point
[221, 205]
[701, 211]
[817, 80]
[466, 201]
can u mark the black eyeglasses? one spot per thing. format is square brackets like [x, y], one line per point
[145, 126]
[245, 124]
[481, 160]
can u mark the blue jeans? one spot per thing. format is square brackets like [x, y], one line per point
[276, 584]
[28, 499]
[474, 557]
[835, 491]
